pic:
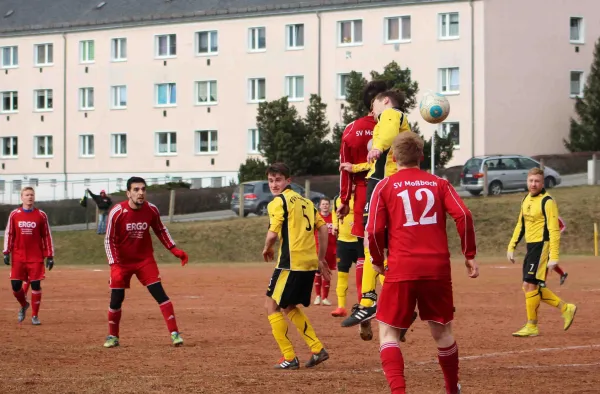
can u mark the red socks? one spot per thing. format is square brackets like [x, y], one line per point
[325, 289]
[169, 314]
[318, 284]
[448, 358]
[36, 300]
[114, 318]
[20, 296]
[393, 366]
[559, 270]
[359, 273]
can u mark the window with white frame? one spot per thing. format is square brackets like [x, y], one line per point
[86, 99]
[10, 146]
[118, 49]
[216, 181]
[449, 26]
[294, 87]
[118, 97]
[208, 42]
[166, 143]
[397, 29]
[86, 51]
[256, 89]
[207, 141]
[451, 129]
[576, 33]
[166, 45]
[86, 145]
[577, 83]
[43, 99]
[118, 144]
[44, 54]
[253, 141]
[295, 36]
[450, 80]
[257, 39]
[9, 57]
[166, 94]
[43, 146]
[350, 32]
[342, 82]
[10, 101]
[206, 92]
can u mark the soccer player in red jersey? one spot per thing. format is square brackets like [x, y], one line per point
[129, 250]
[322, 285]
[28, 239]
[409, 208]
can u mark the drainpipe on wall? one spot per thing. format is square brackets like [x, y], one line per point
[65, 113]
[319, 56]
[472, 79]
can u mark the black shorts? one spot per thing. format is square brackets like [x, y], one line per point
[371, 183]
[536, 263]
[290, 288]
[348, 253]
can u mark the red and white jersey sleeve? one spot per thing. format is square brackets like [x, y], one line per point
[28, 237]
[160, 230]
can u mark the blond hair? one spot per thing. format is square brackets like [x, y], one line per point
[408, 149]
[536, 171]
[23, 190]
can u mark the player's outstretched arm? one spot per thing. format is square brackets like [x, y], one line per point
[552, 222]
[463, 218]
[377, 223]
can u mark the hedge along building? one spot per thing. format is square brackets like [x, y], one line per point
[95, 91]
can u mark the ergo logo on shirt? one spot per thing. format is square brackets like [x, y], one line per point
[27, 224]
[136, 226]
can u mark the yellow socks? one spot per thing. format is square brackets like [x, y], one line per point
[280, 329]
[552, 299]
[532, 303]
[306, 330]
[342, 288]
[369, 279]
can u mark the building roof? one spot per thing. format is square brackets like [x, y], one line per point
[24, 17]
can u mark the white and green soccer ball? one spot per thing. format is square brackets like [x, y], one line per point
[434, 107]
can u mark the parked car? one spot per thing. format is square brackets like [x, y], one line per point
[505, 172]
[257, 196]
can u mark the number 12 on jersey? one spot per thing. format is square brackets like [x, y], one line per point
[408, 210]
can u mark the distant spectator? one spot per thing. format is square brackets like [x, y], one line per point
[104, 203]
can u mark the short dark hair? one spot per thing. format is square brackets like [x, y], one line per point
[135, 179]
[371, 90]
[279, 169]
[325, 199]
[396, 97]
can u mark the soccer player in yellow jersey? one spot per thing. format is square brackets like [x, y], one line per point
[539, 223]
[292, 220]
[391, 121]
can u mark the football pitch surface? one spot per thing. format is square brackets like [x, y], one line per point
[229, 347]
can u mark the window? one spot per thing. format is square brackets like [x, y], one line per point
[86, 98]
[86, 145]
[502, 164]
[397, 29]
[450, 80]
[118, 144]
[9, 57]
[342, 88]
[43, 146]
[206, 92]
[216, 181]
[166, 143]
[86, 51]
[256, 89]
[451, 129]
[166, 45]
[16, 186]
[295, 36]
[43, 100]
[44, 54]
[294, 87]
[576, 83]
[166, 94]
[207, 141]
[10, 101]
[449, 25]
[576, 35]
[10, 146]
[350, 32]
[34, 182]
[118, 49]
[118, 97]
[257, 39]
[253, 141]
[208, 42]
[527, 164]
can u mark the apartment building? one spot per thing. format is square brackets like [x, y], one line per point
[93, 92]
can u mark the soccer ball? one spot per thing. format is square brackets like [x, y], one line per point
[434, 108]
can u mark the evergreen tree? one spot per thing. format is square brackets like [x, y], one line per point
[584, 134]
[252, 170]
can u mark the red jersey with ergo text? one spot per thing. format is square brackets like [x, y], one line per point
[353, 149]
[412, 204]
[27, 237]
[128, 237]
[332, 240]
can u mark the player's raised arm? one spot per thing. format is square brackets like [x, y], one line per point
[377, 223]
[463, 218]
[551, 213]
[110, 240]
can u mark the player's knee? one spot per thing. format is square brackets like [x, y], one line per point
[388, 333]
[271, 306]
[344, 266]
[117, 296]
[16, 285]
[158, 292]
[441, 333]
[36, 285]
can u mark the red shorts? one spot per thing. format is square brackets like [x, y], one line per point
[146, 272]
[360, 200]
[27, 271]
[331, 259]
[397, 302]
